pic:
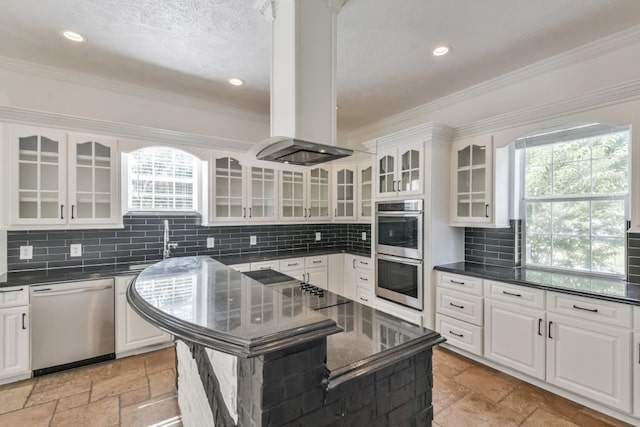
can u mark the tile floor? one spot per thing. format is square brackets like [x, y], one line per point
[140, 391]
[134, 391]
[466, 393]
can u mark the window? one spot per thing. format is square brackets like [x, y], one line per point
[576, 192]
[162, 178]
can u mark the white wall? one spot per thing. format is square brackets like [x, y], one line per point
[48, 89]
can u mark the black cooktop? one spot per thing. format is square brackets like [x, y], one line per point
[311, 296]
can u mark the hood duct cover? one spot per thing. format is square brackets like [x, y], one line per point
[298, 152]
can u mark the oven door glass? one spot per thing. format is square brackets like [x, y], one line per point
[400, 280]
[399, 235]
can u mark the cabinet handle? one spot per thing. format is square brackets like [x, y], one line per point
[303, 278]
[364, 299]
[292, 264]
[512, 294]
[308, 277]
[486, 210]
[24, 315]
[399, 186]
[456, 306]
[364, 279]
[11, 290]
[457, 283]
[394, 185]
[457, 335]
[549, 333]
[317, 262]
[61, 211]
[638, 353]
[540, 327]
[591, 310]
[249, 212]
[335, 212]
[354, 263]
[72, 209]
[244, 212]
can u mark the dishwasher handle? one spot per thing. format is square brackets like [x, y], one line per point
[49, 291]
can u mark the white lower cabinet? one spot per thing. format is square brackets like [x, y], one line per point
[335, 273]
[317, 276]
[460, 334]
[636, 373]
[590, 359]
[241, 267]
[133, 333]
[14, 336]
[515, 337]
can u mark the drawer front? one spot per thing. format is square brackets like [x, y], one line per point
[291, 264]
[14, 296]
[459, 306]
[364, 263]
[364, 296]
[122, 282]
[521, 295]
[241, 267]
[460, 334]
[365, 279]
[265, 265]
[611, 313]
[471, 285]
[315, 261]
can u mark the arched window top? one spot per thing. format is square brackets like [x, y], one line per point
[162, 179]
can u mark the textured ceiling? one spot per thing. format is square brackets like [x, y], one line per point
[192, 47]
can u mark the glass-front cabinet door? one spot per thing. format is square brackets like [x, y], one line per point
[228, 185]
[472, 181]
[93, 181]
[345, 196]
[292, 200]
[262, 194]
[318, 207]
[39, 176]
[365, 175]
[410, 171]
[386, 184]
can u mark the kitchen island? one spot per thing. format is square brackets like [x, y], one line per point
[254, 354]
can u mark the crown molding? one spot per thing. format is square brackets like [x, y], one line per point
[78, 78]
[582, 53]
[617, 94]
[122, 130]
[422, 132]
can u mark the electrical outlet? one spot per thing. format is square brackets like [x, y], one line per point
[26, 252]
[253, 240]
[318, 236]
[211, 242]
[76, 250]
[364, 235]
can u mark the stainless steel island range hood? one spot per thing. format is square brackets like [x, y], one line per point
[298, 152]
[303, 91]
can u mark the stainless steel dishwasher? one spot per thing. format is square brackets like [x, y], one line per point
[72, 324]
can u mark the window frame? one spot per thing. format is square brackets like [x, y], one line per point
[567, 136]
[127, 186]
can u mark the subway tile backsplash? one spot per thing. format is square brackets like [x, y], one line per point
[494, 246]
[633, 257]
[141, 241]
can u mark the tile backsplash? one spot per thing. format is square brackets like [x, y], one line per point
[633, 257]
[141, 241]
[494, 246]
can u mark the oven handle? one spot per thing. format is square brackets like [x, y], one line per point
[400, 214]
[400, 259]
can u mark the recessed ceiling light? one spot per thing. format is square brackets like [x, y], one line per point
[441, 50]
[73, 36]
[236, 82]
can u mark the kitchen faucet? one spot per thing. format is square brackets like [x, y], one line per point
[167, 245]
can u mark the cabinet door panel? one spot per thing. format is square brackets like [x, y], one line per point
[319, 190]
[365, 194]
[228, 199]
[292, 194]
[14, 337]
[262, 195]
[515, 337]
[590, 359]
[317, 277]
[133, 332]
[345, 192]
[386, 180]
[636, 374]
[410, 171]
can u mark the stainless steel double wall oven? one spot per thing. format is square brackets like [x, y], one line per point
[399, 252]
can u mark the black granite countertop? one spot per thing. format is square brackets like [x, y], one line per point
[599, 288]
[37, 277]
[268, 256]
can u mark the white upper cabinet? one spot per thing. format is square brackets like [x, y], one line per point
[242, 193]
[365, 195]
[476, 171]
[344, 178]
[318, 205]
[293, 196]
[41, 195]
[400, 171]
[93, 179]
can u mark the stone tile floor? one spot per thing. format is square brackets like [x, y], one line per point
[466, 393]
[134, 391]
[140, 391]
